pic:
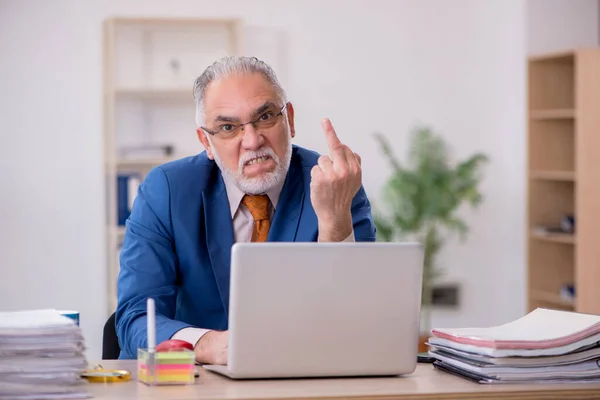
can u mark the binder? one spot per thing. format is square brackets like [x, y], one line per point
[127, 188]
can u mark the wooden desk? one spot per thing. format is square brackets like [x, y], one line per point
[425, 383]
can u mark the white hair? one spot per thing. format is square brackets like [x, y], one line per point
[228, 66]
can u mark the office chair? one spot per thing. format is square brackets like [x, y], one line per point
[110, 342]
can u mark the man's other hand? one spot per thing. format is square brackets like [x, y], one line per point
[212, 348]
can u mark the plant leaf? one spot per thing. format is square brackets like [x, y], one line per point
[422, 198]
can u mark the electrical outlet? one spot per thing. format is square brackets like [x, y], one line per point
[446, 295]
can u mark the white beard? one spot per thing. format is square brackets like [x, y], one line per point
[259, 184]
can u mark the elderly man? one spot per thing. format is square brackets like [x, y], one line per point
[251, 184]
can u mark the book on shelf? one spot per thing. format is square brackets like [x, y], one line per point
[146, 151]
[543, 346]
[127, 188]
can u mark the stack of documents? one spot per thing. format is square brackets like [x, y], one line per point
[543, 346]
[41, 356]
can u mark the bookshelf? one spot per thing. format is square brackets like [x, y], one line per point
[564, 180]
[150, 65]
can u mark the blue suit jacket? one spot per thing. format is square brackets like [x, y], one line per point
[178, 243]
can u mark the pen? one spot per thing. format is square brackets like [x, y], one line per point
[151, 329]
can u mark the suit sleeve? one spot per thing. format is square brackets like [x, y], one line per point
[148, 267]
[362, 218]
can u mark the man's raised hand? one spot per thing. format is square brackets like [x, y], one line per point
[334, 183]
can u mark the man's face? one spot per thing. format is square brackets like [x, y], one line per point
[256, 156]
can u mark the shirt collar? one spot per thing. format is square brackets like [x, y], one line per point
[235, 195]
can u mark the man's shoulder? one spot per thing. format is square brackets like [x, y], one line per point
[198, 168]
[305, 157]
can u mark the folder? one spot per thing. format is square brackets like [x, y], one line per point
[127, 188]
[540, 329]
[543, 346]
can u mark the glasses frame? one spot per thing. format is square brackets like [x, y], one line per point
[241, 125]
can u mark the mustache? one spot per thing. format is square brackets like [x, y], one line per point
[263, 152]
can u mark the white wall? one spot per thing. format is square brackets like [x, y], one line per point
[555, 25]
[369, 65]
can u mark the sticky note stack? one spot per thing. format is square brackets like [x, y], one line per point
[166, 368]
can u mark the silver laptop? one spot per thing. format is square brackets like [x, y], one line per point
[323, 310]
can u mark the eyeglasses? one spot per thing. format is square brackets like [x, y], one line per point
[265, 121]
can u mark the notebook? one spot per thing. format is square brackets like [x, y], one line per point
[543, 346]
[583, 354]
[540, 329]
[493, 352]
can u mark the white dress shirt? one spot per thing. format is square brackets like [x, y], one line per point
[243, 225]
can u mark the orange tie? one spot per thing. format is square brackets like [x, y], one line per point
[258, 205]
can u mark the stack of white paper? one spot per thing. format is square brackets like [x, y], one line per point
[543, 346]
[41, 356]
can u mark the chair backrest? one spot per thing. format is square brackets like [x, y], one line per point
[110, 341]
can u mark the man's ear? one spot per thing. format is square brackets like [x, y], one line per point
[290, 114]
[204, 140]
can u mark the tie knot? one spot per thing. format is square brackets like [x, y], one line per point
[258, 205]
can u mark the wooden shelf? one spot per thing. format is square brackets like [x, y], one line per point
[563, 167]
[553, 57]
[553, 175]
[181, 94]
[551, 298]
[120, 231]
[559, 113]
[552, 144]
[555, 237]
[149, 68]
[190, 22]
[142, 162]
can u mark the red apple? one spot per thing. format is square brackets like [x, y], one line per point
[174, 345]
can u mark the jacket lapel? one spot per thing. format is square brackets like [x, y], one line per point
[219, 235]
[289, 209]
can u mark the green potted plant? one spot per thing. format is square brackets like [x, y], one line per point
[421, 200]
